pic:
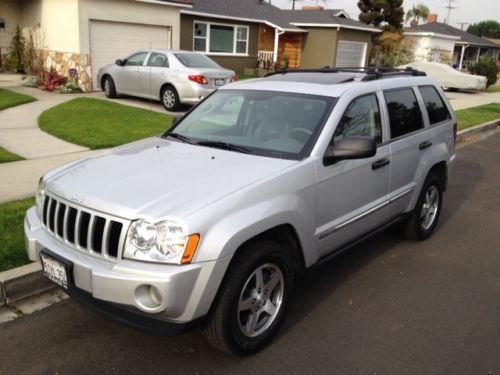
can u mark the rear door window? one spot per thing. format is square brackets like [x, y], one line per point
[158, 60]
[404, 112]
[434, 104]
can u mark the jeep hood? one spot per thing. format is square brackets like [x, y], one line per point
[157, 177]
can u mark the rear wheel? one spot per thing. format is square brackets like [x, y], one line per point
[109, 88]
[425, 216]
[170, 98]
[252, 300]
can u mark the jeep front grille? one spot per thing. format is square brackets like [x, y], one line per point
[83, 229]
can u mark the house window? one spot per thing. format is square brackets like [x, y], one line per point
[2, 24]
[220, 38]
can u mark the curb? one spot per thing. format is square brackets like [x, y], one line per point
[22, 282]
[470, 133]
[25, 281]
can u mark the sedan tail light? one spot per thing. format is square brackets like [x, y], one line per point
[233, 79]
[202, 80]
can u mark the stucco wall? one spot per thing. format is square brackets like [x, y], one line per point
[431, 48]
[319, 48]
[236, 63]
[10, 12]
[356, 36]
[126, 11]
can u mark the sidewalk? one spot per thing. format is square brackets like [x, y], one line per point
[462, 100]
[19, 131]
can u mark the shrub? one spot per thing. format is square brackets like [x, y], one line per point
[486, 66]
[390, 49]
[16, 50]
[31, 81]
[52, 80]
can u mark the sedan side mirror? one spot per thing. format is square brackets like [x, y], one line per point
[120, 62]
[350, 148]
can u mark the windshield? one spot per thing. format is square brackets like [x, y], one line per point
[264, 123]
[195, 60]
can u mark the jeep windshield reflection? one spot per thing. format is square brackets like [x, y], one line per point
[266, 123]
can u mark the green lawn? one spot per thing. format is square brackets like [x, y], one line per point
[97, 123]
[242, 77]
[11, 99]
[6, 156]
[477, 115]
[493, 88]
[12, 247]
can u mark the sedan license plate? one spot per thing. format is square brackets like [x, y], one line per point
[220, 82]
[55, 270]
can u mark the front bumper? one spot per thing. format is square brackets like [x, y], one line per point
[171, 293]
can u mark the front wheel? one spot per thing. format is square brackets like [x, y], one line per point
[252, 300]
[170, 98]
[109, 88]
[425, 216]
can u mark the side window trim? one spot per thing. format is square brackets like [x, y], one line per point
[371, 93]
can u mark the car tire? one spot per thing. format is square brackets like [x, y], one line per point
[425, 216]
[109, 88]
[170, 98]
[252, 300]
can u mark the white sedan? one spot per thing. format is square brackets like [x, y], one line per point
[173, 77]
[448, 77]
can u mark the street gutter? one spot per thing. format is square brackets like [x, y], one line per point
[25, 281]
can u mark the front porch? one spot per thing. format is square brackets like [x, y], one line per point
[466, 55]
[277, 49]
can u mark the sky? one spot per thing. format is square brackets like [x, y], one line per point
[470, 11]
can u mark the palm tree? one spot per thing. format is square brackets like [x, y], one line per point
[418, 12]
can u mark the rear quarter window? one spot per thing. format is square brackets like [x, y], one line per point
[404, 112]
[434, 104]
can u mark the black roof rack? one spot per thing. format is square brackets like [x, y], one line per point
[370, 73]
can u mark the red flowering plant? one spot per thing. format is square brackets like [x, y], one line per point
[50, 81]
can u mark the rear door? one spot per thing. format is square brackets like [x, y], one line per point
[409, 140]
[155, 73]
[352, 194]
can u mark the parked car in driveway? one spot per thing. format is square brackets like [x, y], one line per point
[448, 77]
[265, 179]
[172, 77]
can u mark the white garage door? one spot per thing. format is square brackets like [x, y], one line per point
[113, 40]
[350, 54]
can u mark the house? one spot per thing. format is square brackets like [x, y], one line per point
[439, 42]
[241, 34]
[88, 34]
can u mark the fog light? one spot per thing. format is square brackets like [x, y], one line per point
[148, 297]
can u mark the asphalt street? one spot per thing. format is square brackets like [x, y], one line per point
[388, 306]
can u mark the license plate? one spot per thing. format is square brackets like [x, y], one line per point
[220, 82]
[55, 270]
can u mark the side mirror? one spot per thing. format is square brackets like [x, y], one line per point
[120, 62]
[350, 148]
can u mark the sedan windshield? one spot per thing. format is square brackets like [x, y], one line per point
[267, 123]
[195, 60]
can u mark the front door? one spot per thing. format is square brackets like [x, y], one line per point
[352, 194]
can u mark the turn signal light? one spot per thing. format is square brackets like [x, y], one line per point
[192, 245]
[202, 80]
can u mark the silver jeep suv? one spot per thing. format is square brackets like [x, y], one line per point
[211, 222]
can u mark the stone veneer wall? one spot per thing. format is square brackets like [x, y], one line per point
[61, 62]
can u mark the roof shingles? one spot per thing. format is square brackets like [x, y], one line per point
[263, 11]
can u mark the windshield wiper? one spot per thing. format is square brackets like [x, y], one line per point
[225, 146]
[180, 137]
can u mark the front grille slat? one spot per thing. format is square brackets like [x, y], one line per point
[85, 230]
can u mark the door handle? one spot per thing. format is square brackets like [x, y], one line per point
[380, 163]
[424, 145]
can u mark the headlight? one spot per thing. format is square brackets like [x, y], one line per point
[40, 195]
[166, 241]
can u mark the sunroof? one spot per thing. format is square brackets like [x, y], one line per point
[314, 77]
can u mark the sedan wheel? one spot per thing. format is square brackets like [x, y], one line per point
[170, 99]
[109, 88]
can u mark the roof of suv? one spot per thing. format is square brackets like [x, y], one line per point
[333, 81]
